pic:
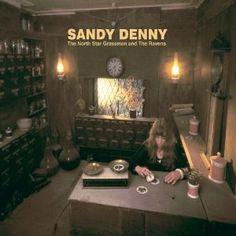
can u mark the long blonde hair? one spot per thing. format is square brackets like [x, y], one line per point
[159, 128]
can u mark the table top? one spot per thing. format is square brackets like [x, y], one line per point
[219, 201]
[160, 198]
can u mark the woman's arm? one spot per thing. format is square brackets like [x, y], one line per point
[181, 166]
[138, 160]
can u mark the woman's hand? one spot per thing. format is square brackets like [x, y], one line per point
[172, 177]
[143, 171]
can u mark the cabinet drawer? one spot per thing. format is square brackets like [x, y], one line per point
[80, 131]
[90, 132]
[5, 162]
[5, 150]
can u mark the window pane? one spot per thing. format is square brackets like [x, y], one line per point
[111, 96]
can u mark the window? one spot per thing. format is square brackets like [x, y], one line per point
[110, 99]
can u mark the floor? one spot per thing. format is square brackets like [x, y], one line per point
[37, 215]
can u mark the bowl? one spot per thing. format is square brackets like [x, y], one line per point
[119, 166]
[24, 124]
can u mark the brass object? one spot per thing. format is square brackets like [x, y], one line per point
[93, 168]
[119, 166]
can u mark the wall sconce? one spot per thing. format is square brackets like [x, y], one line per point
[60, 68]
[175, 70]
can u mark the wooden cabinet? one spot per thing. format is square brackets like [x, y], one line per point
[18, 158]
[112, 137]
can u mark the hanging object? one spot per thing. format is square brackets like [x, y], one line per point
[175, 70]
[217, 169]
[193, 126]
[60, 68]
[69, 157]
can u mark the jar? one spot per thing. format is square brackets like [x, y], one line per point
[8, 133]
[217, 169]
[19, 46]
[2, 50]
[23, 23]
[37, 51]
[13, 46]
[193, 190]
[193, 126]
[69, 157]
[1, 137]
[5, 47]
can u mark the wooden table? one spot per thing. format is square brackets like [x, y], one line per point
[163, 210]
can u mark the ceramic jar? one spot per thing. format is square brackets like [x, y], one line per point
[217, 169]
[193, 190]
[193, 126]
[69, 157]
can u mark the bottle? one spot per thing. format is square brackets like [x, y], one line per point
[49, 162]
[217, 169]
[69, 157]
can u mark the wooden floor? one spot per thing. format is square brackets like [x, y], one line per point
[37, 214]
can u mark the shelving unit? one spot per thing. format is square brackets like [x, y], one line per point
[22, 75]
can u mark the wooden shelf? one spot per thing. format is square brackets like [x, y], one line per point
[36, 94]
[37, 112]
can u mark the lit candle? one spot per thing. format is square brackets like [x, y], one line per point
[175, 70]
[60, 68]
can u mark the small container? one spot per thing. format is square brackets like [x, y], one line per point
[217, 169]
[1, 137]
[8, 133]
[193, 126]
[193, 190]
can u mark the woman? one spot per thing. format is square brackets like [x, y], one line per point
[160, 152]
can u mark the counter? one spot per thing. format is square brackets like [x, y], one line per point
[164, 209]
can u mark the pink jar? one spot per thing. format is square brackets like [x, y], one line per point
[193, 190]
[193, 126]
[217, 169]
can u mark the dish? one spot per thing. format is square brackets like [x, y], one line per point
[93, 168]
[119, 166]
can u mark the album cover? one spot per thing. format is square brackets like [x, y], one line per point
[117, 117]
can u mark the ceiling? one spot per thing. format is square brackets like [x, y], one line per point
[57, 7]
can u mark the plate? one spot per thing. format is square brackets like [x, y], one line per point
[119, 166]
[93, 168]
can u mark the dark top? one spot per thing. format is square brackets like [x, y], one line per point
[141, 158]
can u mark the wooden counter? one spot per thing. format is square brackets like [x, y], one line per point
[218, 200]
[164, 209]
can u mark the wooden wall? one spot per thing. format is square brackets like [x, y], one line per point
[148, 63]
[216, 16]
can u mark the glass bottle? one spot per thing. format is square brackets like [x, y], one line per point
[49, 162]
[69, 157]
